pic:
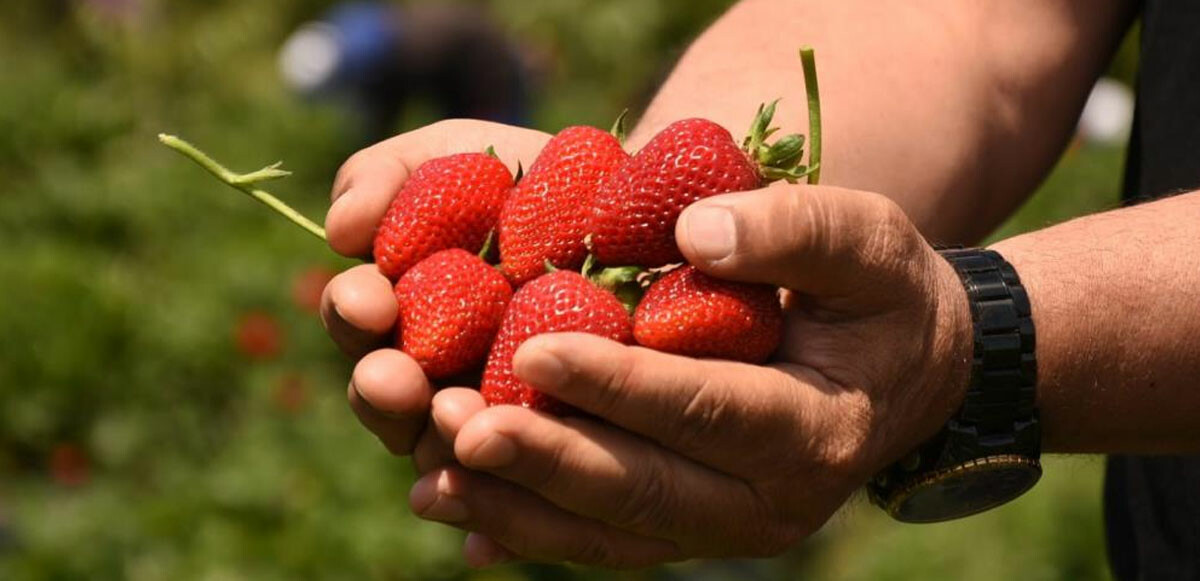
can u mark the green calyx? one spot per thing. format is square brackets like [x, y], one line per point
[625, 282]
[620, 127]
[779, 160]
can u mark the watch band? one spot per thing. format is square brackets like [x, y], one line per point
[988, 453]
[998, 414]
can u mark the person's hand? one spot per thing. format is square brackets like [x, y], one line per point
[388, 391]
[706, 458]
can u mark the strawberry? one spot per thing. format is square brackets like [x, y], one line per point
[546, 216]
[633, 219]
[451, 305]
[448, 202]
[690, 313]
[556, 302]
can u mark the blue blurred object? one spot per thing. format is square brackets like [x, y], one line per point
[369, 35]
[375, 57]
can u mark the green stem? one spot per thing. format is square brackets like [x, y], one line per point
[245, 182]
[814, 113]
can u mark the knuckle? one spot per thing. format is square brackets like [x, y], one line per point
[703, 417]
[893, 233]
[649, 507]
[553, 477]
[594, 549]
[615, 384]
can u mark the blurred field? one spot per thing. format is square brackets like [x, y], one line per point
[138, 440]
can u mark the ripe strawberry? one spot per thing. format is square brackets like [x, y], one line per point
[556, 302]
[448, 202]
[70, 465]
[545, 218]
[690, 313]
[633, 220]
[451, 305]
[258, 336]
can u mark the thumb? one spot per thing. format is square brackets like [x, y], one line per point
[821, 241]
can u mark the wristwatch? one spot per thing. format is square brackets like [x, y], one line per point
[988, 453]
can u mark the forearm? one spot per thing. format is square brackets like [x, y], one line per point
[955, 110]
[1117, 312]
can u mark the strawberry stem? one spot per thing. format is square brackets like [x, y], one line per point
[487, 245]
[245, 182]
[589, 263]
[809, 62]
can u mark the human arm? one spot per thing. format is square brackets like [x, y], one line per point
[955, 110]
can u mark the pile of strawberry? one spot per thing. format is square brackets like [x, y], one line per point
[586, 244]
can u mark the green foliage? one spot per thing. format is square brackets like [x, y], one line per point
[126, 270]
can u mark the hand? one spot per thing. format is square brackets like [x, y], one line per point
[388, 391]
[705, 458]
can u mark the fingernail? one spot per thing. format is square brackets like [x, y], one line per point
[496, 451]
[541, 368]
[711, 232]
[481, 552]
[430, 499]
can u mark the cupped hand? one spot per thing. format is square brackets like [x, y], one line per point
[704, 458]
[388, 391]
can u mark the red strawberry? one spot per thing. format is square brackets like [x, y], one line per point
[545, 218]
[258, 336]
[690, 313]
[448, 202]
[633, 220]
[560, 301]
[69, 465]
[451, 305]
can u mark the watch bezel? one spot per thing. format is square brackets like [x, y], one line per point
[1027, 470]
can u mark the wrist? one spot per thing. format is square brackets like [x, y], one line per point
[952, 346]
[988, 453]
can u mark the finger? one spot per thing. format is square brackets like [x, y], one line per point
[823, 241]
[391, 397]
[452, 407]
[367, 182]
[526, 526]
[480, 551]
[432, 452]
[610, 475]
[359, 310]
[717, 412]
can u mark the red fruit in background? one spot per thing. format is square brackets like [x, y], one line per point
[451, 305]
[290, 393]
[690, 313]
[308, 286]
[69, 465]
[545, 218]
[633, 220]
[448, 202]
[562, 301]
[258, 336]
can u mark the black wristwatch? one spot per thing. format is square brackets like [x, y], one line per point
[988, 454]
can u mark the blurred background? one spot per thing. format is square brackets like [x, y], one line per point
[169, 405]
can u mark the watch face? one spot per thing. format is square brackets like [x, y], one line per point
[967, 489]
